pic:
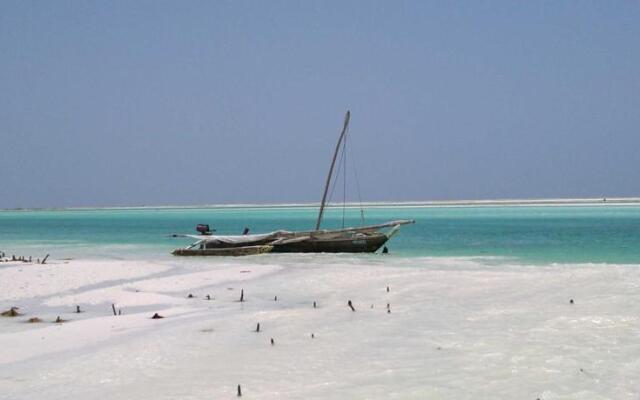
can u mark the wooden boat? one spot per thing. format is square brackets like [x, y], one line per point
[363, 239]
[225, 251]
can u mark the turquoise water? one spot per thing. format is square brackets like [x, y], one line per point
[531, 234]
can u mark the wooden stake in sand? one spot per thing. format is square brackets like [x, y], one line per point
[157, 316]
[387, 289]
[241, 295]
[239, 391]
[272, 342]
[314, 304]
[258, 327]
[113, 307]
[78, 310]
[44, 260]
[12, 312]
[350, 305]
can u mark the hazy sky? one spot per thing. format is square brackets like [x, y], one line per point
[132, 102]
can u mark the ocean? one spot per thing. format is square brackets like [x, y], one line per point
[491, 301]
[518, 233]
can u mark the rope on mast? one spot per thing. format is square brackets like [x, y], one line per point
[335, 181]
[344, 179]
[333, 162]
[342, 166]
[355, 174]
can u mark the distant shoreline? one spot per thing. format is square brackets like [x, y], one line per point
[387, 204]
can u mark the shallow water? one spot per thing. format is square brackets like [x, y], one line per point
[530, 234]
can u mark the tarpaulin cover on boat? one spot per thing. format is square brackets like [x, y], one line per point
[238, 239]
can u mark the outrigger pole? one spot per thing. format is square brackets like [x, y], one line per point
[333, 163]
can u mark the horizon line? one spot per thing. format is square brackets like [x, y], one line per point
[370, 204]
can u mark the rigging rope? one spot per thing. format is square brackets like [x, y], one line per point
[344, 182]
[342, 168]
[355, 173]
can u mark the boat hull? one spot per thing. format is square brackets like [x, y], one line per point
[365, 239]
[225, 251]
[340, 245]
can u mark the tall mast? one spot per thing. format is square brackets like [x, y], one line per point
[333, 163]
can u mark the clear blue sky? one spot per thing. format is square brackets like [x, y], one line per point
[129, 103]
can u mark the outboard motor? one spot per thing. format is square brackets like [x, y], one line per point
[203, 229]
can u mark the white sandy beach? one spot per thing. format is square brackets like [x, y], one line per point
[458, 328]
